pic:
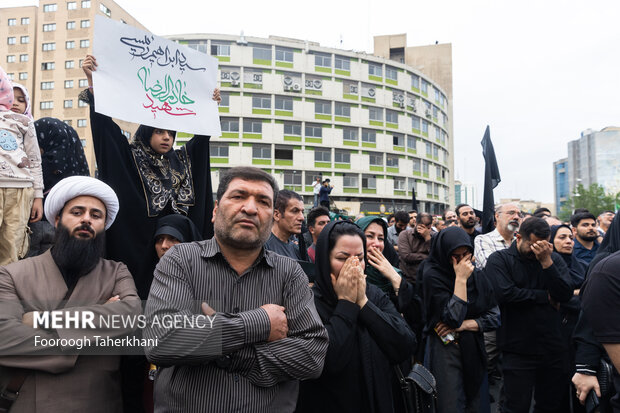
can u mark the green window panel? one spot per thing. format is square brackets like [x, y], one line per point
[436, 158]
[266, 170]
[415, 89]
[297, 148]
[425, 134]
[314, 140]
[391, 125]
[322, 117]
[297, 50]
[350, 190]
[335, 174]
[437, 141]
[369, 145]
[396, 105]
[266, 120]
[252, 136]
[284, 113]
[367, 99]
[435, 119]
[284, 64]
[261, 111]
[231, 135]
[343, 72]
[375, 123]
[247, 145]
[425, 94]
[337, 79]
[226, 84]
[322, 69]
[309, 189]
[375, 78]
[219, 160]
[350, 97]
[400, 193]
[263, 62]
[223, 109]
[292, 138]
[296, 99]
[223, 58]
[314, 92]
[417, 173]
[368, 191]
[376, 168]
[293, 188]
[184, 135]
[429, 156]
[391, 169]
[391, 82]
[322, 165]
[261, 161]
[342, 166]
[284, 162]
[425, 175]
[342, 119]
[252, 86]
[412, 150]
[416, 131]
[350, 143]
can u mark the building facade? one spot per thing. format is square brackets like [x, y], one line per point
[44, 48]
[560, 183]
[375, 127]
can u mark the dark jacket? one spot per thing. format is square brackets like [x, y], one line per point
[324, 193]
[363, 345]
[530, 325]
[412, 250]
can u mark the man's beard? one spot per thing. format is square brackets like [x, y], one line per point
[225, 235]
[468, 224]
[589, 238]
[74, 256]
[513, 226]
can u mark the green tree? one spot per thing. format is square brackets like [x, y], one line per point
[594, 199]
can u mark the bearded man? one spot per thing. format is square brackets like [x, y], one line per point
[74, 277]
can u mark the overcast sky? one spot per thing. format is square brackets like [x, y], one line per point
[538, 72]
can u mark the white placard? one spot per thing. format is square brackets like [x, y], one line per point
[146, 79]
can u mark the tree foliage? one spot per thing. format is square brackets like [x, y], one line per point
[594, 199]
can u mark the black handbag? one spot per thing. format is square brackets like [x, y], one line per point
[419, 389]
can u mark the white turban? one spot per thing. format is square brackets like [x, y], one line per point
[74, 186]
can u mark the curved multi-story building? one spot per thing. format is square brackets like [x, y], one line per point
[376, 127]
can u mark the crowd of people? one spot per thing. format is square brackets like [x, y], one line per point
[309, 312]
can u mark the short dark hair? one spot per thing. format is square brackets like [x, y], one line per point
[345, 228]
[316, 212]
[412, 211]
[580, 211]
[443, 214]
[423, 216]
[390, 217]
[283, 197]
[606, 212]
[577, 218]
[458, 208]
[536, 226]
[402, 216]
[247, 173]
[539, 212]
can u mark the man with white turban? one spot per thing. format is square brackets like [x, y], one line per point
[46, 373]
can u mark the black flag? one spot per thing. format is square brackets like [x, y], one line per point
[414, 202]
[491, 180]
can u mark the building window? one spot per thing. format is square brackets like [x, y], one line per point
[425, 167]
[82, 104]
[230, 124]
[391, 73]
[424, 86]
[23, 57]
[369, 136]
[322, 155]
[81, 123]
[11, 40]
[284, 55]
[261, 52]
[349, 181]
[104, 10]
[429, 149]
[84, 43]
[68, 103]
[48, 47]
[70, 26]
[322, 107]
[342, 63]
[350, 134]
[415, 122]
[283, 153]
[84, 24]
[391, 116]
[292, 128]
[49, 8]
[323, 60]
[436, 151]
[83, 83]
[411, 144]
[261, 151]
[375, 70]
[391, 161]
[416, 165]
[12, 22]
[424, 127]
[10, 58]
[261, 102]
[369, 182]
[49, 27]
[24, 39]
[220, 49]
[23, 75]
[68, 122]
[415, 81]
[284, 103]
[69, 64]
[314, 131]
[342, 157]
[48, 66]
[375, 158]
[399, 184]
[69, 84]
[375, 113]
[48, 104]
[70, 44]
[25, 20]
[225, 103]
[72, 5]
[86, 4]
[11, 76]
[219, 151]
[47, 85]
[292, 178]
[252, 126]
[343, 109]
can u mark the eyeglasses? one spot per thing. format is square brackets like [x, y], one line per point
[517, 213]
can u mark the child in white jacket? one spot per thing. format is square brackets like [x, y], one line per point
[21, 177]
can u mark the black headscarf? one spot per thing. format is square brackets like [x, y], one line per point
[577, 268]
[438, 286]
[167, 179]
[178, 226]
[610, 244]
[62, 154]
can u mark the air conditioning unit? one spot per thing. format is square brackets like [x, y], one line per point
[234, 83]
[297, 87]
[428, 113]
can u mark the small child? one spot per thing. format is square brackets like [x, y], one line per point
[21, 178]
